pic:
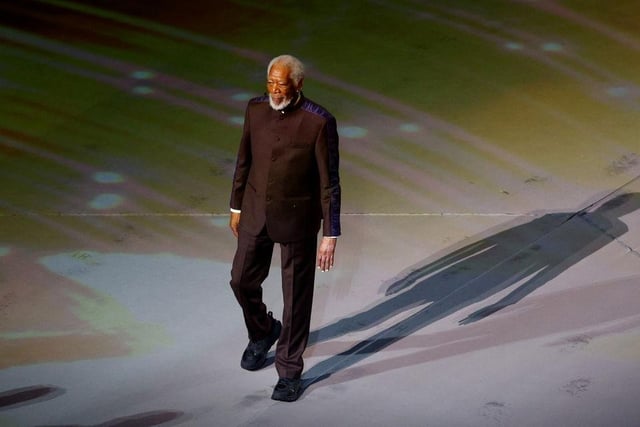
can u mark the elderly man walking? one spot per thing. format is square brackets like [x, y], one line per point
[286, 187]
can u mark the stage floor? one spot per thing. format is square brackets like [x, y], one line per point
[489, 268]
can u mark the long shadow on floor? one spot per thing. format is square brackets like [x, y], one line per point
[525, 256]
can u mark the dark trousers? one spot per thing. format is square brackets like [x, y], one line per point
[250, 268]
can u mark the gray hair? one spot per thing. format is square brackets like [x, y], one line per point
[294, 64]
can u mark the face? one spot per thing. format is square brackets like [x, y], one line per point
[281, 88]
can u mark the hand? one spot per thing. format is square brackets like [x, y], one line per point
[234, 222]
[326, 252]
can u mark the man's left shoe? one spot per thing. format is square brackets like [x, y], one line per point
[287, 390]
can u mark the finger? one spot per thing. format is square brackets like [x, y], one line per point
[327, 263]
[323, 263]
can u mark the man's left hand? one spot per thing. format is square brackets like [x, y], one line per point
[326, 252]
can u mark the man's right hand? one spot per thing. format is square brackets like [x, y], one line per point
[234, 222]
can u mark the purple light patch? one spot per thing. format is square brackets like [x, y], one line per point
[513, 46]
[618, 91]
[106, 201]
[237, 120]
[220, 221]
[353, 132]
[242, 96]
[108, 177]
[552, 47]
[142, 90]
[409, 127]
[142, 74]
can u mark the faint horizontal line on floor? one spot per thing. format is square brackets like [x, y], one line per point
[204, 214]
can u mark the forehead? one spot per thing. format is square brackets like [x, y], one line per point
[279, 72]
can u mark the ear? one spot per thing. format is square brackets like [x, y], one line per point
[299, 86]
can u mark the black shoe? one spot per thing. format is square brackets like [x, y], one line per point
[287, 390]
[255, 355]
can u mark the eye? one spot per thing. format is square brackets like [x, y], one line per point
[279, 84]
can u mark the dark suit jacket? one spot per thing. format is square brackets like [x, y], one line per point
[286, 174]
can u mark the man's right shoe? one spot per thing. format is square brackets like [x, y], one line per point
[255, 355]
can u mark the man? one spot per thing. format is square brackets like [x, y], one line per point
[286, 185]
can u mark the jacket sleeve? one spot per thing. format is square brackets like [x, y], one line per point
[243, 164]
[328, 159]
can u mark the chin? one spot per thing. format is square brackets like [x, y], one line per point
[279, 105]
